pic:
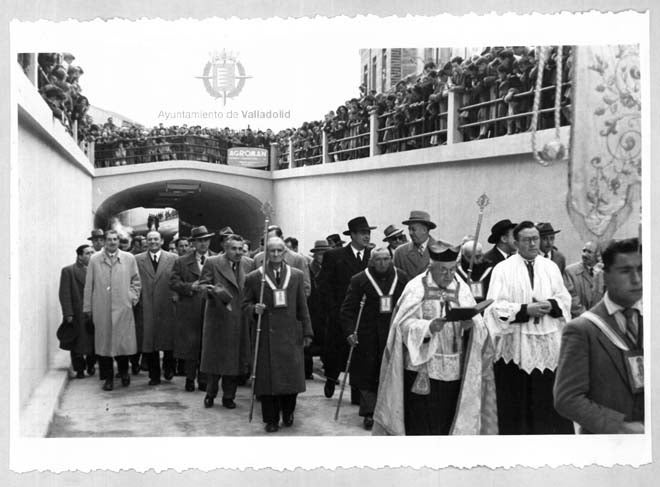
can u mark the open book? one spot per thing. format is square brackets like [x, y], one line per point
[462, 314]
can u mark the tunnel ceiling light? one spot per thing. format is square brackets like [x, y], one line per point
[183, 187]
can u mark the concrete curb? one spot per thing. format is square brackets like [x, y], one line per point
[36, 417]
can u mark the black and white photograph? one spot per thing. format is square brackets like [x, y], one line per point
[409, 241]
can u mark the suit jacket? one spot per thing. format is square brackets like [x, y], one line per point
[339, 265]
[558, 258]
[410, 261]
[72, 288]
[157, 311]
[585, 290]
[592, 386]
[494, 256]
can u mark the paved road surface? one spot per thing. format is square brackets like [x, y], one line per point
[168, 410]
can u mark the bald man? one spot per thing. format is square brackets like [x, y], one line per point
[481, 268]
[584, 280]
[382, 284]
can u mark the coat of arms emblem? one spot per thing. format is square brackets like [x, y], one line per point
[224, 76]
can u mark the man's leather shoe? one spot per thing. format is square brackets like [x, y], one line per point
[190, 385]
[168, 374]
[368, 423]
[154, 382]
[287, 419]
[272, 427]
[329, 388]
[80, 374]
[91, 370]
[108, 385]
[201, 386]
[126, 380]
[208, 402]
[228, 403]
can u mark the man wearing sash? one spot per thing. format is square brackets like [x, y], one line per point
[285, 330]
[530, 308]
[481, 270]
[382, 284]
[600, 376]
[431, 381]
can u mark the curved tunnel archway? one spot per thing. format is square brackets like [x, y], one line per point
[197, 202]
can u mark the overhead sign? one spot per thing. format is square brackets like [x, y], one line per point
[254, 157]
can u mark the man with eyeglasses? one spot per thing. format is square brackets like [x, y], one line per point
[531, 306]
[433, 381]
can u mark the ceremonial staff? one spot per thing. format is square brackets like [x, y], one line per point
[350, 356]
[267, 210]
[483, 203]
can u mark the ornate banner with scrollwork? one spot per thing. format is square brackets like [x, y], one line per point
[604, 176]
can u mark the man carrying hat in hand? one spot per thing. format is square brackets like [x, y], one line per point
[394, 238]
[339, 265]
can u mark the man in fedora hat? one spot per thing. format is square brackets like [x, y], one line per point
[413, 257]
[547, 245]
[339, 265]
[334, 240]
[184, 280]
[319, 321]
[433, 381]
[72, 287]
[501, 236]
[395, 238]
[97, 238]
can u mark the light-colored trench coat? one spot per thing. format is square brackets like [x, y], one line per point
[112, 288]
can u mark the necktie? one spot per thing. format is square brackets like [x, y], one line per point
[420, 249]
[631, 327]
[277, 277]
[154, 261]
[546, 255]
[234, 267]
[202, 259]
[530, 271]
[359, 256]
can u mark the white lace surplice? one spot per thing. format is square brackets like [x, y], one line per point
[530, 345]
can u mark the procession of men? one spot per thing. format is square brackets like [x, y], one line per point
[425, 336]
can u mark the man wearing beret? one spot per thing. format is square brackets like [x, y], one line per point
[339, 265]
[433, 381]
[394, 238]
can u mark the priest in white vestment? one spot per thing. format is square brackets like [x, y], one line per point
[436, 377]
[531, 305]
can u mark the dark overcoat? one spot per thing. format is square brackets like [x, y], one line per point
[157, 312]
[225, 339]
[72, 288]
[374, 325]
[280, 363]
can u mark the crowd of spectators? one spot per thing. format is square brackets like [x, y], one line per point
[495, 90]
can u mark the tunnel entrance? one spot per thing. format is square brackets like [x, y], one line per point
[197, 203]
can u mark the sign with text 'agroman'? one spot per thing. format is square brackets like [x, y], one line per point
[254, 157]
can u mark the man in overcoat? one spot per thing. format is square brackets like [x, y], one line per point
[584, 280]
[184, 281]
[225, 339]
[316, 313]
[285, 330]
[547, 246]
[157, 308]
[339, 265]
[381, 284]
[112, 288]
[72, 287]
[599, 383]
[413, 257]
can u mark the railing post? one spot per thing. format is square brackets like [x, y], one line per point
[453, 107]
[32, 70]
[274, 156]
[91, 152]
[374, 149]
[325, 158]
[74, 130]
[291, 153]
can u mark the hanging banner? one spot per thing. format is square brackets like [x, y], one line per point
[605, 166]
[254, 157]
